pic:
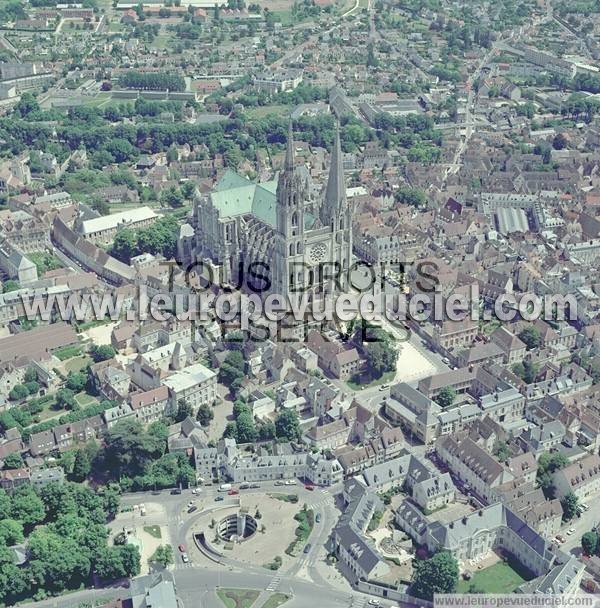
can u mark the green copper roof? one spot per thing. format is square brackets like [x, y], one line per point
[235, 195]
[231, 179]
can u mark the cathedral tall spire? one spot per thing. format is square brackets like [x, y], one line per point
[335, 193]
[289, 153]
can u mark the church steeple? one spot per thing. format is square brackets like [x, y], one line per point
[289, 151]
[291, 193]
[335, 192]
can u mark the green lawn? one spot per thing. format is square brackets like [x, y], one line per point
[153, 531]
[238, 598]
[84, 399]
[499, 578]
[365, 382]
[44, 261]
[77, 364]
[293, 498]
[262, 111]
[277, 599]
[67, 352]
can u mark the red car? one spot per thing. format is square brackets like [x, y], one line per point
[311, 488]
[233, 492]
[182, 548]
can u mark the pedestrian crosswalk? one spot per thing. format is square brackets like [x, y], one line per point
[274, 584]
[182, 566]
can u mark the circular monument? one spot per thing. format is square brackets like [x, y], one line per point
[237, 527]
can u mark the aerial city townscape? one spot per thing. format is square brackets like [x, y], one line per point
[299, 303]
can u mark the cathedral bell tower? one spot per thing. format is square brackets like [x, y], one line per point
[336, 212]
[292, 192]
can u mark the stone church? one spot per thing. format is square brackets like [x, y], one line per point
[302, 234]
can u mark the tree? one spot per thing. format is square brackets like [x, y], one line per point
[11, 532]
[570, 505]
[560, 142]
[502, 451]
[82, 466]
[589, 543]
[245, 429]
[438, 574]
[124, 245]
[163, 555]
[266, 431]
[531, 336]
[548, 464]
[205, 414]
[30, 375]
[102, 352]
[76, 381]
[27, 104]
[129, 449]
[184, 409]
[32, 387]
[18, 393]
[287, 425]
[446, 397]
[27, 506]
[232, 368]
[10, 285]
[13, 461]
[65, 399]
[172, 197]
[381, 358]
[130, 555]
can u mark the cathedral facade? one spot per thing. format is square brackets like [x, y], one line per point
[297, 236]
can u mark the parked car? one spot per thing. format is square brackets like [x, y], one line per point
[291, 482]
[233, 492]
[560, 538]
[218, 498]
[182, 548]
[374, 602]
[384, 387]
[279, 483]
[318, 518]
[254, 485]
[310, 488]
[192, 509]
[244, 486]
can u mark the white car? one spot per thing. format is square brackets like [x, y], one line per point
[374, 603]
[291, 482]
